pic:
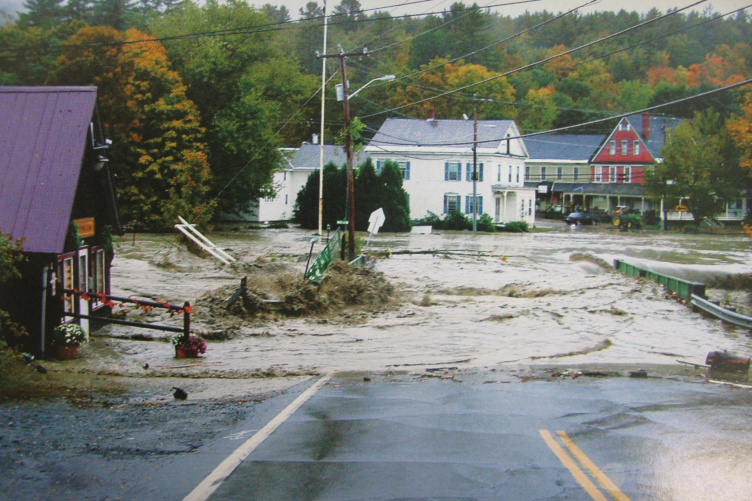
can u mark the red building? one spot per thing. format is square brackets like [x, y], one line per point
[633, 145]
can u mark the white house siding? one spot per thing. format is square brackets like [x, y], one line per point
[404, 140]
[427, 187]
[287, 185]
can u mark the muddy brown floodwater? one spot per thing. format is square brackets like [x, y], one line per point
[514, 304]
[487, 301]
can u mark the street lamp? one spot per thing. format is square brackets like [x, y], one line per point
[343, 94]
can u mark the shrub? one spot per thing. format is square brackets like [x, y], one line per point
[517, 227]
[430, 220]
[456, 220]
[485, 223]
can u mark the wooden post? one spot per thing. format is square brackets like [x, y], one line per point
[186, 320]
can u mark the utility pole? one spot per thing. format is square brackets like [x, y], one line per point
[348, 148]
[321, 139]
[475, 168]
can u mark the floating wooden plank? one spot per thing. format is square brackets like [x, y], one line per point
[190, 231]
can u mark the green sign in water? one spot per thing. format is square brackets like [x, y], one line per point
[329, 254]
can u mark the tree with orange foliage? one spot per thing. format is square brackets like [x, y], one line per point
[740, 129]
[158, 152]
[444, 76]
[714, 71]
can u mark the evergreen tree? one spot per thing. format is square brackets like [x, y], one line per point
[42, 13]
[394, 198]
[367, 196]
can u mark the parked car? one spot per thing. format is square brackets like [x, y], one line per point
[586, 218]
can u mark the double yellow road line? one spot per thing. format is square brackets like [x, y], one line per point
[569, 460]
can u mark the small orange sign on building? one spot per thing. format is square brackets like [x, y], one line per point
[85, 227]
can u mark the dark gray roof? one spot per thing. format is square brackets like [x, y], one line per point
[43, 135]
[452, 133]
[628, 189]
[563, 146]
[308, 156]
[659, 126]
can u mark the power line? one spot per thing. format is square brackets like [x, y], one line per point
[542, 61]
[584, 110]
[263, 28]
[585, 124]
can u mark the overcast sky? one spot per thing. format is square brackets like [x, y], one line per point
[640, 6]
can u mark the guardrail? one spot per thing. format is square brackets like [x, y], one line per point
[722, 313]
[684, 288]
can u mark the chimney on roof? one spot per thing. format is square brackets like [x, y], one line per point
[646, 126]
[315, 139]
[431, 115]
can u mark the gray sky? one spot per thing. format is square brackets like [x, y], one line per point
[640, 6]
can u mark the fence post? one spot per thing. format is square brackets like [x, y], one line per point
[186, 320]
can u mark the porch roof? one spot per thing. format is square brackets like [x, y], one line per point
[619, 189]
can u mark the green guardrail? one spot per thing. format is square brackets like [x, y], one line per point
[684, 288]
[325, 258]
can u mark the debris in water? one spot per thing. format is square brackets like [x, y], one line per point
[728, 362]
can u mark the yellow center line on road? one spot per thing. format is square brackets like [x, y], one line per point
[597, 474]
[575, 470]
[212, 482]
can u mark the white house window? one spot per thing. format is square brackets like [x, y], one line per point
[403, 166]
[576, 175]
[510, 174]
[529, 206]
[559, 173]
[498, 173]
[469, 172]
[624, 147]
[451, 202]
[518, 173]
[469, 204]
[635, 148]
[285, 199]
[453, 171]
[612, 147]
[543, 174]
[284, 176]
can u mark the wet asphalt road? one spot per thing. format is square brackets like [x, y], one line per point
[483, 438]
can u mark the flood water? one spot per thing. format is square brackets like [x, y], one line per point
[487, 300]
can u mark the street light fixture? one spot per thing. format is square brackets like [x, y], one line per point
[340, 89]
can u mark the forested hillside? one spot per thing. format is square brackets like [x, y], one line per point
[198, 98]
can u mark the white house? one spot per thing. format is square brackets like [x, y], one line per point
[436, 158]
[299, 164]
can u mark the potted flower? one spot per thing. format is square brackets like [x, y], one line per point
[188, 346]
[66, 338]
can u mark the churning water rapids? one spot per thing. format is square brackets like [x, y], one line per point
[486, 301]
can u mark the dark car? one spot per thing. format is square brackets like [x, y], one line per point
[584, 218]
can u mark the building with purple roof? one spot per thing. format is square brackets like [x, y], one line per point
[57, 198]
